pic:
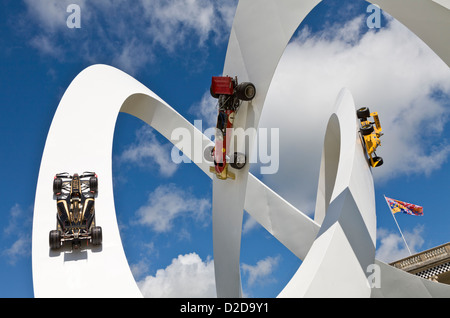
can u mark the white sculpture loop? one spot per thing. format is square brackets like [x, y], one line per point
[340, 240]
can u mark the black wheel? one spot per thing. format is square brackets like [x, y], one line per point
[57, 186]
[239, 161]
[208, 154]
[245, 91]
[363, 113]
[367, 129]
[96, 235]
[93, 184]
[212, 93]
[55, 239]
[377, 161]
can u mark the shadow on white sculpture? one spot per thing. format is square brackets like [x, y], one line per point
[336, 248]
[345, 245]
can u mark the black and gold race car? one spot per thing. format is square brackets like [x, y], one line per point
[75, 203]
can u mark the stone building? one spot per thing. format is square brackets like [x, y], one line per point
[432, 264]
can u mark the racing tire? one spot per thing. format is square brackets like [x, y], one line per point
[57, 186]
[55, 239]
[378, 161]
[96, 235]
[208, 154]
[239, 161]
[367, 129]
[214, 95]
[363, 113]
[93, 184]
[245, 91]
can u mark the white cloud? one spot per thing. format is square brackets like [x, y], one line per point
[44, 44]
[392, 247]
[52, 15]
[186, 277]
[169, 202]
[206, 110]
[226, 11]
[15, 213]
[128, 36]
[16, 234]
[131, 57]
[20, 248]
[249, 224]
[139, 269]
[172, 22]
[390, 71]
[262, 271]
[148, 152]
[19, 219]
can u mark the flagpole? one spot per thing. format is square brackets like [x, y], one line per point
[397, 226]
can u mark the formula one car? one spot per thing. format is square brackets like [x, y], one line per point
[75, 203]
[230, 94]
[370, 134]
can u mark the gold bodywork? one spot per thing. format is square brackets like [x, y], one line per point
[225, 173]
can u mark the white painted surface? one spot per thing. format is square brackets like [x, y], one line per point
[260, 32]
[66, 273]
[345, 245]
[428, 19]
[80, 139]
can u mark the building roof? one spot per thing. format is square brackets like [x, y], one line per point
[433, 264]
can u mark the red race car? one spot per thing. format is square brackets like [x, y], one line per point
[230, 94]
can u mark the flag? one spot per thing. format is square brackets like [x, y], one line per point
[404, 207]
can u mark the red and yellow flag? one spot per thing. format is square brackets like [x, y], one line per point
[404, 207]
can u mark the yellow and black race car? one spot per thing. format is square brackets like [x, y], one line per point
[371, 133]
[75, 203]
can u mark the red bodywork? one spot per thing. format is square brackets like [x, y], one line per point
[222, 143]
[222, 85]
[230, 94]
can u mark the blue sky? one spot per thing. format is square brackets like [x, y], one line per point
[174, 47]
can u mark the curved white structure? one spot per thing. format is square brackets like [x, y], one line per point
[102, 92]
[345, 245]
[257, 41]
[344, 223]
[428, 19]
[261, 30]
[94, 99]
[341, 260]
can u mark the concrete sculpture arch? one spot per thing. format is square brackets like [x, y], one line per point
[345, 244]
[254, 58]
[103, 92]
[428, 19]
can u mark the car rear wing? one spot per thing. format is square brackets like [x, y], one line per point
[88, 174]
[67, 175]
[222, 85]
[376, 120]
